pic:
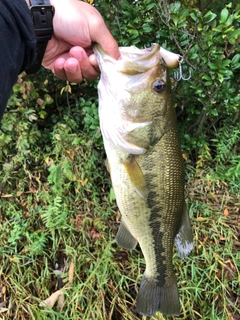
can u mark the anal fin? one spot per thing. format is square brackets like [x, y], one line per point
[136, 176]
[184, 238]
[124, 238]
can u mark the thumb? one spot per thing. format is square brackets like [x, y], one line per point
[103, 37]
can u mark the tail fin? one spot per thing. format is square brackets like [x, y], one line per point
[152, 298]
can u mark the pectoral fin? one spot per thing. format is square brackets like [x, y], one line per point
[184, 238]
[124, 237]
[136, 176]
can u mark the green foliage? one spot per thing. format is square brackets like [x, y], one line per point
[131, 23]
[55, 217]
[91, 120]
[226, 156]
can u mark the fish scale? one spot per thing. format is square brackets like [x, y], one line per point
[139, 128]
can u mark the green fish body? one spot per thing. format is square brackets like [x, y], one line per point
[139, 128]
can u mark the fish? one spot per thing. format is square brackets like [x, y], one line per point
[139, 128]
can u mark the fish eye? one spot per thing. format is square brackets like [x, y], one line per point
[159, 86]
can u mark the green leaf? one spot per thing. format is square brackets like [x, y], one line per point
[194, 56]
[134, 33]
[226, 63]
[233, 35]
[224, 15]
[208, 83]
[226, 72]
[175, 18]
[193, 16]
[236, 58]
[206, 77]
[214, 112]
[147, 28]
[150, 6]
[42, 114]
[175, 7]
[213, 66]
[209, 16]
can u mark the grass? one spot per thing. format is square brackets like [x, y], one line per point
[44, 228]
[58, 221]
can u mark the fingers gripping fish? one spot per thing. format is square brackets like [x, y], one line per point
[138, 124]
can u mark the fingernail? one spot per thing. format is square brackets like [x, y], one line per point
[72, 70]
[60, 63]
[77, 55]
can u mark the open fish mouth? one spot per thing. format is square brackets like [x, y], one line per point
[135, 60]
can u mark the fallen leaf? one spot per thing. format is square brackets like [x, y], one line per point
[2, 291]
[39, 101]
[3, 304]
[71, 153]
[58, 137]
[225, 212]
[84, 182]
[71, 272]
[60, 302]
[78, 221]
[49, 161]
[95, 234]
[50, 302]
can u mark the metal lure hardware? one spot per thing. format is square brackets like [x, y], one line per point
[178, 75]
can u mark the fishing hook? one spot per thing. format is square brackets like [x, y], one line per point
[179, 75]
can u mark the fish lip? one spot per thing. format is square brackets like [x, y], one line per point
[100, 53]
[152, 51]
[98, 49]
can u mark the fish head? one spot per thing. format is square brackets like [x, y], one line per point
[134, 91]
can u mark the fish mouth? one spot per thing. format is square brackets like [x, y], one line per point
[132, 61]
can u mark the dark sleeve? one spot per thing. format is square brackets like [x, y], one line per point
[17, 45]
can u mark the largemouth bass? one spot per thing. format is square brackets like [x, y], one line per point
[139, 128]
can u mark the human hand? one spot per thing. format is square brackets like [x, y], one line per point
[77, 25]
